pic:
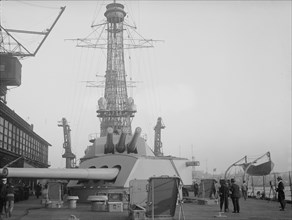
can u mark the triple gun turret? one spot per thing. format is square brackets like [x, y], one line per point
[121, 146]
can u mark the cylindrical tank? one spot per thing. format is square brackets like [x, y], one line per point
[72, 201]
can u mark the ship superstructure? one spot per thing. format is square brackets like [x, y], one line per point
[117, 147]
[117, 156]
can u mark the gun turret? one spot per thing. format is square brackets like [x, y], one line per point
[131, 147]
[121, 146]
[109, 145]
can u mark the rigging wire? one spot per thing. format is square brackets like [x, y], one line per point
[43, 22]
[73, 96]
[130, 73]
[75, 80]
[144, 68]
[84, 98]
[146, 73]
[97, 12]
[84, 95]
[28, 13]
[1, 34]
[1, 6]
[36, 5]
[129, 13]
[80, 96]
[152, 96]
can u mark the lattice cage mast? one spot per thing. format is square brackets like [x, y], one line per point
[116, 109]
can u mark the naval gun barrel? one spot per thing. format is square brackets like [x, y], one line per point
[69, 174]
[109, 145]
[132, 146]
[121, 146]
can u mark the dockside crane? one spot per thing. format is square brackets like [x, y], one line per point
[70, 157]
[12, 50]
[157, 137]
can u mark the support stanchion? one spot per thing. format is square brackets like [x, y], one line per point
[290, 183]
[264, 187]
[181, 211]
[272, 191]
[252, 187]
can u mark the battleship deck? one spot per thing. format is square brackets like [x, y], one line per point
[250, 209]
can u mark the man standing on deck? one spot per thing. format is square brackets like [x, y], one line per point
[223, 193]
[244, 189]
[3, 192]
[38, 190]
[9, 198]
[235, 195]
[281, 193]
[196, 189]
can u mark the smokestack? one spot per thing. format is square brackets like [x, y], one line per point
[109, 145]
[132, 148]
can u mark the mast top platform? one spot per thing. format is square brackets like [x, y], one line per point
[115, 13]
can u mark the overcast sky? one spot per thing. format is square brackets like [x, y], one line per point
[220, 80]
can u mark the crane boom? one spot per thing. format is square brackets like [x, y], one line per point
[157, 138]
[11, 50]
[19, 50]
[70, 157]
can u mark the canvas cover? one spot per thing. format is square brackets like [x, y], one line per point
[138, 192]
[162, 196]
[55, 191]
[206, 188]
